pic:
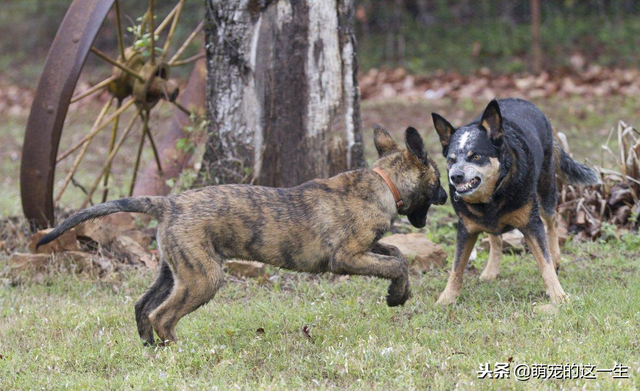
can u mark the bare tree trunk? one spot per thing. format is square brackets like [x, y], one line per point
[282, 93]
[535, 36]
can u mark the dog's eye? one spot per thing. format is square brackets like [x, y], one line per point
[451, 160]
[477, 157]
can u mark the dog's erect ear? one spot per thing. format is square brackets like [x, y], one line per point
[492, 122]
[415, 145]
[383, 141]
[444, 128]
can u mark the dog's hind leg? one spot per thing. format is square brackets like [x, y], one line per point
[464, 246]
[536, 240]
[158, 292]
[548, 197]
[493, 264]
[552, 237]
[197, 279]
[391, 267]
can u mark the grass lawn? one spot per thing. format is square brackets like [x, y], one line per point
[77, 333]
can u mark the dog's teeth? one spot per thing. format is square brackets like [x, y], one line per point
[464, 187]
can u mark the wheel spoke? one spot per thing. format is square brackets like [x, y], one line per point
[112, 141]
[110, 158]
[119, 28]
[172, 31]
[152, 32]
[93, 89]
[166, 20]
[181, 107]
[95, 130]
[186, 44]
[188, 60]
[111, 61]
[80, 156]
[144, 115]
[154, 148]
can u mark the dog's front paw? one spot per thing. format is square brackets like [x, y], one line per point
[447, 298]
[399, 292]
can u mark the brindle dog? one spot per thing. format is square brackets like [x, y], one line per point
[502, 173]
[322, 225]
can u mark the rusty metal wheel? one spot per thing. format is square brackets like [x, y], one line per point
[139, 80]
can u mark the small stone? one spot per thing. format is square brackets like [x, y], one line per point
[422, 253]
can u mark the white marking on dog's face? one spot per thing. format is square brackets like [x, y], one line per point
[463, 140]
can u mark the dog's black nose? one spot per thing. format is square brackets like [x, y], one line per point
[457, 177]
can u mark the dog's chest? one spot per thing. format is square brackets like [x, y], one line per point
[493, 219]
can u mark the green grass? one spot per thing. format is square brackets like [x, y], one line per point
[72, 332]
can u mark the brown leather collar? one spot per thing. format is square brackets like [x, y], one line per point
[392, 187]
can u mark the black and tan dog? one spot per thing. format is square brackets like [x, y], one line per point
[502, 176]
[323, 225]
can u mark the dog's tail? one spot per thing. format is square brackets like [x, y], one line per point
[154, 206]
[570, 171]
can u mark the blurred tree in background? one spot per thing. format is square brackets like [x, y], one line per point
[465, 35]
[420, 35]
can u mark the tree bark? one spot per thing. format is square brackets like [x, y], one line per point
[535, 36]
[282, 94]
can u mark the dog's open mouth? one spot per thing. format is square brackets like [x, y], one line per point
[468, 187]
